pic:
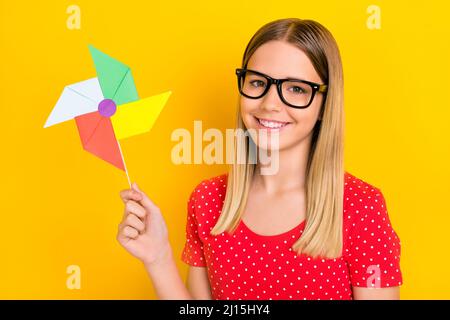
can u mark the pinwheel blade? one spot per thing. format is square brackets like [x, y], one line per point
[76, 99]
[138, 117]
[115, 78]
[97, 137]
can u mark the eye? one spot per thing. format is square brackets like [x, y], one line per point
[297, 90]
[257, 83]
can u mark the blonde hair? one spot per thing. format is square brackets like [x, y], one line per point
[322, 235]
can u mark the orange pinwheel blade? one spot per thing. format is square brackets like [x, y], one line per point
[97, 136]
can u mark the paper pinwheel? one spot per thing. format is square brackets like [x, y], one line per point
[107, 108]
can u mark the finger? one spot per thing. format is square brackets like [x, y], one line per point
[130, 232]
[133, 221]
[135, 208]
[129, 194]
[146, 202]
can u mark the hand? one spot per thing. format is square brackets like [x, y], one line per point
[143, 231]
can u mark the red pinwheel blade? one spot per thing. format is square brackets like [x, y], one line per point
[97, 136]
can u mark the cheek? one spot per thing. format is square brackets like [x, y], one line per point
[306, 117]
[246, 109]
[304, 122]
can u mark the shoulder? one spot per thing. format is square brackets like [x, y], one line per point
[363, 203]
[361, 199]
[365, 210]
[206, 201]
[210, 188]
[351, 182]
[360, 196]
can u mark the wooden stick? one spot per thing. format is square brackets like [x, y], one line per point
[125, 165]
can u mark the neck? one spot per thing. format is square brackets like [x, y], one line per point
[291, 174]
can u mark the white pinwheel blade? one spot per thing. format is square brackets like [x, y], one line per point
[76, 99]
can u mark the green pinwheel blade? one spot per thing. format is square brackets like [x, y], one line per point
[114, 77]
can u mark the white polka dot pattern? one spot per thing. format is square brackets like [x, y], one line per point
[246, 265]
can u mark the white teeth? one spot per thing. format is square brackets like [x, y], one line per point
[271, 124]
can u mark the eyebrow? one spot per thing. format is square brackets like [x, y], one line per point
[292, 78]
[289, 78]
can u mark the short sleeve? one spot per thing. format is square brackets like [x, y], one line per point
[193, 249]
[373, 255]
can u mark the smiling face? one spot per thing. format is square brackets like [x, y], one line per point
[280, 60]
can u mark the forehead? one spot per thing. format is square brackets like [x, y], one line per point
[280, 59]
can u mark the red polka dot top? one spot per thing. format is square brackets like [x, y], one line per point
[247, 265]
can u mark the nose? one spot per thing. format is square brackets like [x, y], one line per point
[271, 100]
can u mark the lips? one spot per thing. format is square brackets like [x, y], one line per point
[271, 124]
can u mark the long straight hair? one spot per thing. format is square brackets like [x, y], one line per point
[322, 235]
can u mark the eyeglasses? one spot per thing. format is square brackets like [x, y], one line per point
[295, 93]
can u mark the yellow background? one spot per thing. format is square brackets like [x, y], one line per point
[60, 205]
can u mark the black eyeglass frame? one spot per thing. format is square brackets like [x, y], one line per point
[316, 87]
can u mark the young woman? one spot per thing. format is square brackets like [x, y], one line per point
[310, 230]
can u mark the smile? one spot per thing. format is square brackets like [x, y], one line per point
[271, 124]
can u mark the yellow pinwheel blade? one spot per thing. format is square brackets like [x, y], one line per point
[138, 116]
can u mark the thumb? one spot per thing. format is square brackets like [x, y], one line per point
[146, 202]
